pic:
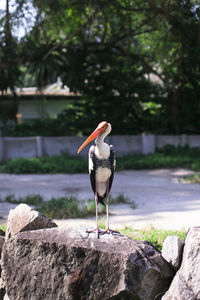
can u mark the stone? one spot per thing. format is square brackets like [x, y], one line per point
[172, 250]
[2, 240]
[186, 283]
[2, 233]
[68, 264]
[24, 218]
[2, 286]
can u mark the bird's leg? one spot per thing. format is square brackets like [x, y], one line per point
[107, 203]
[97, 229]
[96, 202]
[108, 230]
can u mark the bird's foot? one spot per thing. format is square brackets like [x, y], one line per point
[111, 231]
[97, 230]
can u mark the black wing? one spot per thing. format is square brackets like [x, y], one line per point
[112, 164]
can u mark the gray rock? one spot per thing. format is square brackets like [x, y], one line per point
[2, 294]
[2, 286]
[68, 264]
[2, 240]
[24, 218]
[172, 250]
[186, 283]
[2, 233]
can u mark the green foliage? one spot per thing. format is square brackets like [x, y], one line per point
[63, 207]
[167, 157]
[37, 127]
[54, 164]
[84, 114]
[35, 200]
[195, 178]
[153, 235]
[3, 227]
[104, 49]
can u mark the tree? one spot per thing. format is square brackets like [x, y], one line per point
[110, 49]
[176, 49]
[8, 54]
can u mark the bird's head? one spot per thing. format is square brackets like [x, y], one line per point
[102, 128]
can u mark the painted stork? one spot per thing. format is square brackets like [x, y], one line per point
[101, 169]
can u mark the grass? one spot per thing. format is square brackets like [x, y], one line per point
[195, 178]
[3, 228]
[41, 165]
[63, 207]
[150, 234]
[155, 236]
[167, 157]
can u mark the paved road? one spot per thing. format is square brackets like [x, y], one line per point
[161, 199]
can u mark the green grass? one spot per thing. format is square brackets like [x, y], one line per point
[40, 165]
[35, 200]
[63, 207]
[167, 157]
[195, 178]
[150, 234]
[155, 236]
[3, 228]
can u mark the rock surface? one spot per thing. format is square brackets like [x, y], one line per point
[2, 287]
[24, 218]
[2, 239]
[67, 264]
[2, 233]
[172, 250]
[186, 283]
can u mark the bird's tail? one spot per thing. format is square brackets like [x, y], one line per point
[101, 200]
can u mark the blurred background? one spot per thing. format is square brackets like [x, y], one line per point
[67, 65]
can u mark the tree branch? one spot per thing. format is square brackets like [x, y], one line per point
[73, 34]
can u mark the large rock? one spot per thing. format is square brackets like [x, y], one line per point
[2, 239]
[2, 286]
[172, 250]
[186, 283]
[2, 233]
[67, 264]
[24, 218]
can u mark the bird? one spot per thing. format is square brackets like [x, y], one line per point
[102, 162]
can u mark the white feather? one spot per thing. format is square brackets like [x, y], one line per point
[102, 151]
[90, 162]
[102, 175]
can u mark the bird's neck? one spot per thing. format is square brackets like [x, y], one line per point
[100, 140]
[102, 149]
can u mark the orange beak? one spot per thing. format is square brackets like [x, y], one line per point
[93, 136]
